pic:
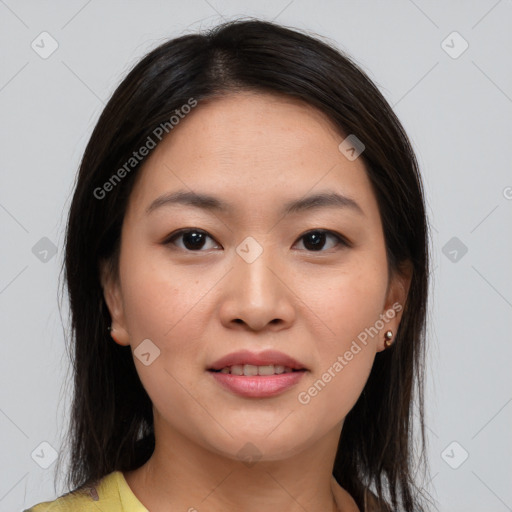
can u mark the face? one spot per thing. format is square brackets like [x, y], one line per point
[197, 283]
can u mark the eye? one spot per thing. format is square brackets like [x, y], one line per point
[194, 239]
[315, 239]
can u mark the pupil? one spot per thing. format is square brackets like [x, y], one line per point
[193, 239]
[318, 240]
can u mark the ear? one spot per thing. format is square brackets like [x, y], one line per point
[114, 300]
[396, 297]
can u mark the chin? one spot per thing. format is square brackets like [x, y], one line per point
[252, 448]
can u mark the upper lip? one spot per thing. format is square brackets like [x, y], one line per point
[265, 358]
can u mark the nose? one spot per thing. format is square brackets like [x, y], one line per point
[259, 295]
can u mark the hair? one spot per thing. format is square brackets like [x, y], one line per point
[111, 424]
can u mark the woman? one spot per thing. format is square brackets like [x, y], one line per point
[247, 268]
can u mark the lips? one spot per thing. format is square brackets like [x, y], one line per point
[265, 358]
[257, 375]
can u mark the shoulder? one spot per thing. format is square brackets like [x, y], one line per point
[103, 495]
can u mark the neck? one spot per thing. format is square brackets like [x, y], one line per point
[181, 475]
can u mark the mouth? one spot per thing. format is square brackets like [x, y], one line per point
[251, 381]
[250, 364]
[250, 370]
[257, 375]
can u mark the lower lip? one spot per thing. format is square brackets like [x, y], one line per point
[259, 386]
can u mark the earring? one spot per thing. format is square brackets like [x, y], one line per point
[387, 338]
[111, 330]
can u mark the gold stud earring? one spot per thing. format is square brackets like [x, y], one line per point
[387, 338]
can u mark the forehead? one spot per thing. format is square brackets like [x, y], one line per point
[252, 147]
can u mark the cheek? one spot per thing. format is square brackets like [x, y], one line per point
[166, 305]
[158, 296]
[349, 309]
[350, 304]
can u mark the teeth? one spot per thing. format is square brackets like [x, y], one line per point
[250, 370]
[265, 370]
[237, 370]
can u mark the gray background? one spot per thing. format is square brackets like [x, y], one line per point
[455, 106]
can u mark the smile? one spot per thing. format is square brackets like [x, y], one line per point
[252, 370]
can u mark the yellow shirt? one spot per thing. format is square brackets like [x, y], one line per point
[111, 494]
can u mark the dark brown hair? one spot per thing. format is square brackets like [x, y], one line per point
[111, 425]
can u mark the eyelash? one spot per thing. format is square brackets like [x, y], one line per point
[341, 241]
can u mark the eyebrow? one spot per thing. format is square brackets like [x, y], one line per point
[211, 203]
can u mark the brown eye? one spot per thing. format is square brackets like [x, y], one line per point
[193, 239]
[315, 240]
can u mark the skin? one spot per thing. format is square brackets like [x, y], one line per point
[255, 151]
